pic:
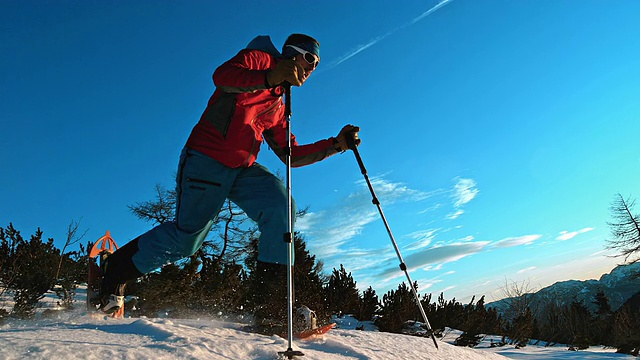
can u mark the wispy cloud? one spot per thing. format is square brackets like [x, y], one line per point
[332, 230]
[357, 50]
[447, 289]
[437, 255]
[463, 192]
[429, 12]
[447, 253]
[522, 271]
[423, 239]
[516, 241]
[454, 215]
[431, 208]
[568, 235]
[362, 47]
[394, 191]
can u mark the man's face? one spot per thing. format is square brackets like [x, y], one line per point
[308, 67]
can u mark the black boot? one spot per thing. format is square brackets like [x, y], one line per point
[270, 298]
[117, 269]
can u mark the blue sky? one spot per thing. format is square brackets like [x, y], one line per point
[496, 133]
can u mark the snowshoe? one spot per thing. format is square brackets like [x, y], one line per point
[111, 304]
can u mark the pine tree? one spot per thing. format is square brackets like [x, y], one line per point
[602, 303]
[220, 288]
[309, 280]
[447, 313]
[477, 320]
[473, 316]
[38, 262]
[468, 339]
[491, 322]
[554, 324]
[369, 305]
[9, 239]
[307, 277]
[521, 329]
[603, 324]
[580, 320]
[626, 337]
[341, 293]
[397, 307]
[163, 293]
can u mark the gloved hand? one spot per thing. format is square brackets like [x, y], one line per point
[286, 70]
[340, 143]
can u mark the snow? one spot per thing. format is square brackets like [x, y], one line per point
[78, 334]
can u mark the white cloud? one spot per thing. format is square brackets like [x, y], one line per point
[423, 239]
[431, 208]
[428, 12]
[568, 235]
[331, 231]
[516, 241]
[463, 192]
[438, 255]
[448, 288]
[392, 192]
[526, 269]
[454, 215]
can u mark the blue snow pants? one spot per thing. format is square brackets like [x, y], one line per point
[203, 185]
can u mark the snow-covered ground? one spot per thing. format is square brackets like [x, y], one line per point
[81, 335]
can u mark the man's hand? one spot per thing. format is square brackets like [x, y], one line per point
[286, 70]
[350, 131]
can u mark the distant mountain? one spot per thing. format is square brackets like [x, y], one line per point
[619, 286]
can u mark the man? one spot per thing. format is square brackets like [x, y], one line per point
[219, 162]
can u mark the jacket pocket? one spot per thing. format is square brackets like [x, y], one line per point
[221, 112]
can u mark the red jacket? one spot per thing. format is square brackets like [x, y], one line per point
[242, 111]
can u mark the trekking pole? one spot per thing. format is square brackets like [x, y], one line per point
[288, 236]
[352, 145]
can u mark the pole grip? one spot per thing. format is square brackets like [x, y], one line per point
[287, 100]
[351, 141]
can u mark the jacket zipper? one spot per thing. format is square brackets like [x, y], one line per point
[272, 108]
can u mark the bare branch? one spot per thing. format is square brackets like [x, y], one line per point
[159, 210]
[517, 297]
[625, 229]
[72, 239]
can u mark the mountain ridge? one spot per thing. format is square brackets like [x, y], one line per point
[619, 285]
